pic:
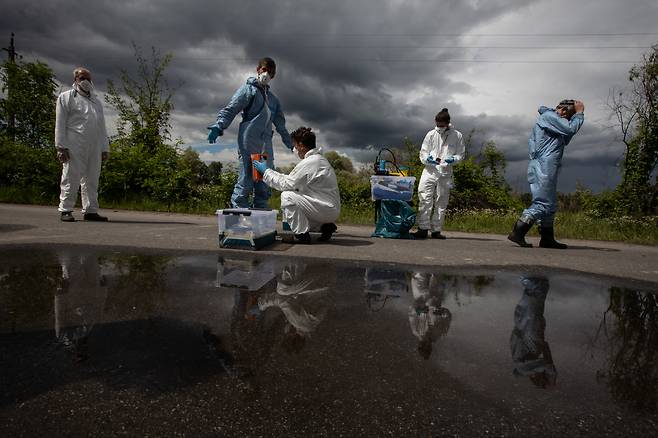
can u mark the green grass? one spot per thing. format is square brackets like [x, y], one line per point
[27, 195]
[643, 230]
[567, 225]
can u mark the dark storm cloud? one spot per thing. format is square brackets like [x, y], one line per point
[349, 69]
[321, 47]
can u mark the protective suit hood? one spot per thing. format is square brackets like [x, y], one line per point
[254, 81]
[314, 151]
[542, 109]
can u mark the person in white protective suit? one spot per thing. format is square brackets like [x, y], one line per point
[303, 294]
[427, 318]
[442, 148]
[310, 199]
[82, 143]
[80, 302]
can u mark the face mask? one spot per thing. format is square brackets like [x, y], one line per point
[264, 78]
[85, 86]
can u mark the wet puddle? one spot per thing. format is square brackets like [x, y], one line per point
[104, 342]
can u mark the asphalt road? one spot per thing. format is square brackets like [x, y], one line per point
[30, 225]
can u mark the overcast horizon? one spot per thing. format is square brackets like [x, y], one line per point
[366, 74]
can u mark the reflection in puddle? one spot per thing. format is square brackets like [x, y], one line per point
[530, 351]
[429, 320]
[269, 329]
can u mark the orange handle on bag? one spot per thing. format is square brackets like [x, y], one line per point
[254, 173]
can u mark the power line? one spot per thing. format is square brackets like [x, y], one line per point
[478, 35]
[475, 61]
[288, 46]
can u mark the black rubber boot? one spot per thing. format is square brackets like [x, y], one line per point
[304, 238]
[94, 217]
[420, 234]
[438, 235]
[548, 239]
[327, 231]
[67, 216]
[518, 234]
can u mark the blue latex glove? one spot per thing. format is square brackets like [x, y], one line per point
[260, 166]
[213, 134]
[431, 160]
[450, 159]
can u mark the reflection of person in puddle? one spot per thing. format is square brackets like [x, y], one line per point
[429, 321]
[302, 294]
[530, 352]
[80, 302]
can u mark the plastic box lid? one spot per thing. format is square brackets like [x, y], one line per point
[246, 221]
[384, 187]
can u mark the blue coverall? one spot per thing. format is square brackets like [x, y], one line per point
[254, 137]
[546, 146]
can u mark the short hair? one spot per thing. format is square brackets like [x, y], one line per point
[79, 70]
[268, 63]
[304, 136]
[569, 105]
[442, 116]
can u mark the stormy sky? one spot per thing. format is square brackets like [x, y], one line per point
[366, 74]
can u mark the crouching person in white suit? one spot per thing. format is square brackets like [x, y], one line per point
[310, 200]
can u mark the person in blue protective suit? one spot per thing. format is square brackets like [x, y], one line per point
[260, 109]
[530, 351]
[553, 130]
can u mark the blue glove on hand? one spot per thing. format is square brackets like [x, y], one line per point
[260, 166]
[450, 159]
[213, 134]
[431, 160]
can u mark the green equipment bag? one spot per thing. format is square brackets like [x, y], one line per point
[395, 220]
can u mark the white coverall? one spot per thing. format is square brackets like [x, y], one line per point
[309, 195]
[80, 303]
[427, 318]
[80, 128]
[303, 295]
[436, 180]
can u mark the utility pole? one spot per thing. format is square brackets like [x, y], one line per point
[11, 52]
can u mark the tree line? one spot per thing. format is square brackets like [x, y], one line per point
[148, 168]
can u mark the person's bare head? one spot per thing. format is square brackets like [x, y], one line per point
[303, 140]
[442, 118]
[268, 65]
[80, 74]
[566, 108]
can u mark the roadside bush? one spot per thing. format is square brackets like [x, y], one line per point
[33, 169]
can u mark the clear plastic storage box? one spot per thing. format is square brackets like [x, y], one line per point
[400, 188]
[246, 222]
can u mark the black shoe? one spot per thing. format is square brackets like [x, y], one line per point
[438, 235]
[304, 238]
[420, 234]
[548, 239]
[518, 234]
[67, 216]
[327, 231]
[95, 217]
